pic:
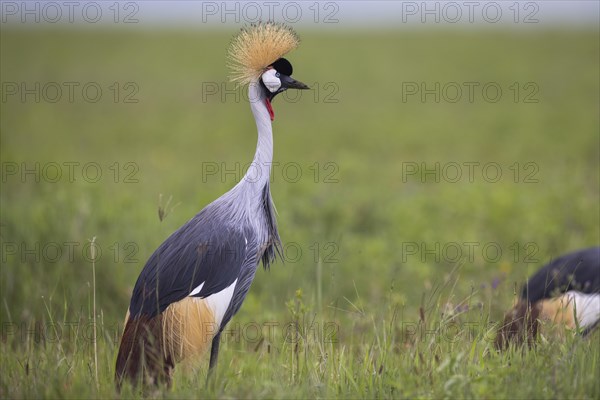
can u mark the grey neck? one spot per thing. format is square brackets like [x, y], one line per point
[250, 200]
[252, 185]
[259, 172]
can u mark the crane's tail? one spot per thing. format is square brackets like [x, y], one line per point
[151, 346]
[520, 326]
[141, 357]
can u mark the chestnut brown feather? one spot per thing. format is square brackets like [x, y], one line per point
[150, 347]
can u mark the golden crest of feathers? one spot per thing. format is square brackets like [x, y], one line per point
[258, 46]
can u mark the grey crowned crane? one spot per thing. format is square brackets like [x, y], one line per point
[566, 291]
[197, 279]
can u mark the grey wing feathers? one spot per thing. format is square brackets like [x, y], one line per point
[204, 250]
[273, 248]
[579, 270]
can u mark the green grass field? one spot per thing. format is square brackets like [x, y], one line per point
[408, 223]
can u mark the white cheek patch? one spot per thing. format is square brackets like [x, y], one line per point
[271, 81]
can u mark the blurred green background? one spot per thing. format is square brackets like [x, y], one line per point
[372, 238]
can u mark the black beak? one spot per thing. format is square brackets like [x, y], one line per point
[287, 82]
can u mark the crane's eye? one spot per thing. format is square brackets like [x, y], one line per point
[277, 74]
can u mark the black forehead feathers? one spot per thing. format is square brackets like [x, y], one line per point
[283, 66]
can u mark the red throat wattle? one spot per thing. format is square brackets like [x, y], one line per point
[270, 108]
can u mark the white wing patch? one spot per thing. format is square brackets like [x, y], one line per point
[587, 307]
[219, 302]
[197, 290]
